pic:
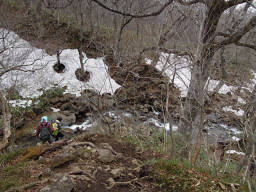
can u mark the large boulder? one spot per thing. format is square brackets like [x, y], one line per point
[68, 118]
[65, 157]
[62, 184]
[37, 110]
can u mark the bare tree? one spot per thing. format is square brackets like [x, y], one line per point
[10, 64]
[209, 41]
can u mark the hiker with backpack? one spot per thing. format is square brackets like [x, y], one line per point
[57, 129]
[44, 130]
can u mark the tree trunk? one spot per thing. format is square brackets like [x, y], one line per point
[192, 116]
[58, 58]
[6, 122]
[80, 49]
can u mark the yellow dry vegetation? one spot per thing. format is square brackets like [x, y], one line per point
[31, 152]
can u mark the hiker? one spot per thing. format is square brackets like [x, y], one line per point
[57, 129]
[44, 130]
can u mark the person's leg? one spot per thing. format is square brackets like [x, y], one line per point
[59, 136]
[49, 140]
[43, 140]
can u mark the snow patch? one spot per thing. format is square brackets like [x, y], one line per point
[232, 129]
[234, 152]
[176, 68]
[20, 103]
[83, 126]
[43, 77]
[55, 110]
[239, 112]
[234, 138]
[240, 100]
[212, 84]
[162, 125]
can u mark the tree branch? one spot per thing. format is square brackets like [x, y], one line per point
[250, 3]
[189, 2]
[232, 3]
[134, 15]
[179, 53]
[235, 37]
[246, 45]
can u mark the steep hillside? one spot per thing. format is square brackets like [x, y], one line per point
[141, 84]
[94, 162]
[120, 141]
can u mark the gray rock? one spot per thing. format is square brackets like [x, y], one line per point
[117, 172]
[41, 159]
[119, 156]
[64, 158]
[63, 184]
[68, 118]
[37, 110]
[105, 155]
[211, 117]
[86, 155]
[107, 120]
[111, 182]
[75, 170]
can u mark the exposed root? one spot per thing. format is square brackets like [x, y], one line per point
[113, 184]
[27, 186]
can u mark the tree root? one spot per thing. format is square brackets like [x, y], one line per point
[27, 186]
[125, 182]
[83, 143]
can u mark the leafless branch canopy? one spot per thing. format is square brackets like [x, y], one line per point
[155, 13]
[236, 36]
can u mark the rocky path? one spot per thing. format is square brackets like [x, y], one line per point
[90, 162]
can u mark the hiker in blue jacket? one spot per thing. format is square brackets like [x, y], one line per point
[44, 130]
